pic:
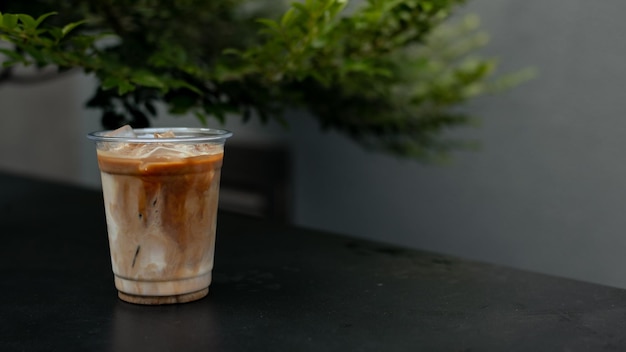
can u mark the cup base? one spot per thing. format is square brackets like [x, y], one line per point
[159, 300]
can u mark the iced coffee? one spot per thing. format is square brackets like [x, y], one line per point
[161, 190]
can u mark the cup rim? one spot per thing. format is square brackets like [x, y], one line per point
[183, 135]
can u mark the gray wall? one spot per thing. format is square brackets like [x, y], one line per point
[547, 192]
[39, 129]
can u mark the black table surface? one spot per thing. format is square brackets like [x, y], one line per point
[278, 288]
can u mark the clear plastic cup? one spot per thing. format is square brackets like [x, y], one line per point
[161, 189]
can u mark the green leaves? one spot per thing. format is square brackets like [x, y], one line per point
[148, 79]
[9, 21]
[123, 85]
[42, 18]
[34, 45]
[23, 22]
[70, 26]
[391, 74]
[13, 57]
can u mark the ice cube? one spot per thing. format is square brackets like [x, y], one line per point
[167, 152]
[168, 134]
[124, 131]
[206, 149]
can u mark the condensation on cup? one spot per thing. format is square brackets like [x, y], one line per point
[161, 188]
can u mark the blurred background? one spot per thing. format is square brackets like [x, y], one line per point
[546, 192]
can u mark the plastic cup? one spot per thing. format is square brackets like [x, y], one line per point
[160, 199]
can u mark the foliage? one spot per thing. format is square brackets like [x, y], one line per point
[389, 73]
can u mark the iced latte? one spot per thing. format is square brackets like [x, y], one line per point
[161, 190]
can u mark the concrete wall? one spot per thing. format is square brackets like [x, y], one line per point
[39, 129]
[546, 193]
[548, 190]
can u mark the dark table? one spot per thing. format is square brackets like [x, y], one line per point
[278, 288]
